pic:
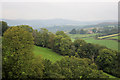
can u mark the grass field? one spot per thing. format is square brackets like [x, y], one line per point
[114, 37]
[47, 53]
[89, 38]
[108, 43]
[83, 36]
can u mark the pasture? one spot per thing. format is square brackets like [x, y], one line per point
[90, 38]
[83, 36]
[112, 44]
[114, 37]
[47, 53]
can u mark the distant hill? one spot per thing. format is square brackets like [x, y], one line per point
[103, 24]
[45, 23]
[50, 22]
[68, 28]
[54, 25]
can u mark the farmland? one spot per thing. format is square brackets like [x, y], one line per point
[108, 36]
[90, 38]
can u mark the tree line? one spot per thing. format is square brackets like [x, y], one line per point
[81, 59]
[106, 59]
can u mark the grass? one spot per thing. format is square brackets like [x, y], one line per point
[114, 37]
[108, 43]
[81, 35]
[89, 38]
[47, 53]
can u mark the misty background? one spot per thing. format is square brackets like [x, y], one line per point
[59, 14]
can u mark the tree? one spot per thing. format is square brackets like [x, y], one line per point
[73, 31]
[82, 31]
[94, 30]
[65, 46]
[72, 67]
[18, 58]
[62, 45]
[27, 27]
[61, 33]
[57, 41]
[51, 40]
[78, 43]
[43, 35]
[106, 59]
[3, 27]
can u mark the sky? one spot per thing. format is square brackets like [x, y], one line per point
[82, 10]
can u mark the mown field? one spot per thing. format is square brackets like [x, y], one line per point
[90, 38]
[114, 38]
[49, 54]
[83, 36]
[108, 36]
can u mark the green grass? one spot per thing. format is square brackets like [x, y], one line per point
[81, 35]
[47, 53]
[114, 37]
[108, 43]
[89, 38]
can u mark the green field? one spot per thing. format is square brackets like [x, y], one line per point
[47, 53]
[114, 37]
[89, 38]
[83, 36]
[108, 43]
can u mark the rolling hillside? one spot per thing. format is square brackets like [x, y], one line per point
[47, 53]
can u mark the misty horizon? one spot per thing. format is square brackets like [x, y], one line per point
[82, 11]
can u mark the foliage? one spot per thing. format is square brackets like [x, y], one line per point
[27, 27]
[62, 43]
[72, 67]
[51, 40]
[18, 58]
[107, 61]
[73, 31]
[105, 58]
[3, 27]
[62, 34]
[81, 31]
[41, 37]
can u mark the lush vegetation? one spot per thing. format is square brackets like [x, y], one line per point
[17, 55]
[79, 58]
[47, 53]
[52, 57]
[3, 27]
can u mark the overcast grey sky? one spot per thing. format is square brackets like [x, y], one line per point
[82, 11]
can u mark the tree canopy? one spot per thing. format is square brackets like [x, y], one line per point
[18, 58]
